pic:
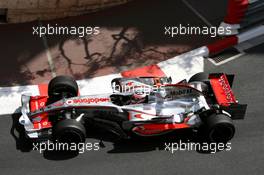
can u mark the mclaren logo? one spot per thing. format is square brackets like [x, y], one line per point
[181, 92]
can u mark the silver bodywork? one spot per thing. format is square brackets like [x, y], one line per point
[171, 103]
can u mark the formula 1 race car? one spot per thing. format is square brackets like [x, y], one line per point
[145, 106]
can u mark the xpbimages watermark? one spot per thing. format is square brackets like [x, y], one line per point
[79, 31]
[138, 89]
[173, 31]
[191, 146]
[57, 146]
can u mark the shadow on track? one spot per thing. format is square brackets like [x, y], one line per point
[18, 133]
[24, 144]
[132, 145]
[179, 138]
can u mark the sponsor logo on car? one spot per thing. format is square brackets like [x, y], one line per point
[87, 100]
[226, 88]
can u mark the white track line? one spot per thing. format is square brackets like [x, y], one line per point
[197, 13]
[184, 65]
[97, 85]
[10, 97]
[48, 54]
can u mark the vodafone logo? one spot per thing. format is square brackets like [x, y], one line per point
[87, 100]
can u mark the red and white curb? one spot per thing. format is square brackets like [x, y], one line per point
[241, 42]
[235, 40]
[236, 10]
[179, 67]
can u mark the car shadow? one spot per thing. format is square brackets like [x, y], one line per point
[166, 142]
[132, 145]
[18, 133]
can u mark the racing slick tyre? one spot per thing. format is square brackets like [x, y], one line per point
[219, 128]
[62, 87]
[69, 131]
[201, 76]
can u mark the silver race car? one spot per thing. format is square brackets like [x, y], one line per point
[145, 106]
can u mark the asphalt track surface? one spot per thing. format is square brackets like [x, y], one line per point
[148, 156]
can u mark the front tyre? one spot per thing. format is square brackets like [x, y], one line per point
[62, 87]
[69, 131]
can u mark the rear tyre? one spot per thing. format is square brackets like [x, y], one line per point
[62, 87]
[201, 76]
[201, 82]
[219, 128]
[69, 131]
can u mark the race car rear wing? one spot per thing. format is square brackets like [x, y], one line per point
[237, 111]
[221, 85]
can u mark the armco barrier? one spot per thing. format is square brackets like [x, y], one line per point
[254, 14]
